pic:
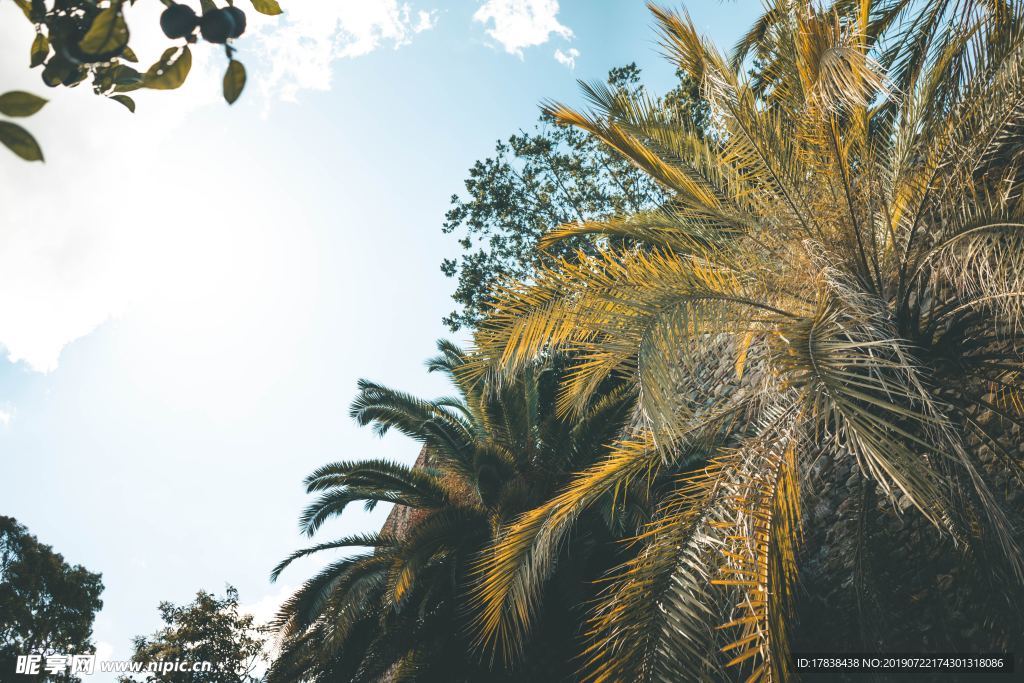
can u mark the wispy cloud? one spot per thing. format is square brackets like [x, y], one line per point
[303, 44]
[71, 255]
[265, 609]
[567, 58]
[517, 24]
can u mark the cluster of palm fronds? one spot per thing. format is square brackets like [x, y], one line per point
[837, 280]
[399, 610]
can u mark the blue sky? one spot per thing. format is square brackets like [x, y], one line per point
[188, 295]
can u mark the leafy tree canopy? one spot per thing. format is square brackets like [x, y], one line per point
[47, 606]
[209, 629]
[88, 40]
[539, 179]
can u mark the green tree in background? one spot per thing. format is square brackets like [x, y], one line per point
[80, 41]
[542, 178]
[46, 605]
[209, 629]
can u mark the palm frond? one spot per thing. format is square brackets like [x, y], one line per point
[372, 481]
[358, 540]
[512, 570]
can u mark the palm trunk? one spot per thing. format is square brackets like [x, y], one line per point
[877, 577]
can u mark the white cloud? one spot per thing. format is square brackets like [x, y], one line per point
[567, 58]
[265, 609]
[521, 23]
[302, 45]
[425, 21]
[5, 417]
[72, 251]
[83, 243]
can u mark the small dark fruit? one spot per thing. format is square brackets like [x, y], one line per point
[217, 26]
[239, 17]
[178, 21]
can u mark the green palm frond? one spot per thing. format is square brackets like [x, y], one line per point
[353, 578]
[372, 481]
[385, 473]
[491, 452]
[356, 541]
[388, 409]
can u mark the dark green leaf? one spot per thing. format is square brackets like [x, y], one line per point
[130, 87]
[269, 7]
[128, 102]
[234, 81]
[18, 103]
[125, 75]
[207, 6]
[40, 49]
[128, 55]
[170, 71]
[108, 33]
[20, 141]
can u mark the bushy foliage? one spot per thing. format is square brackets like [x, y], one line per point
[46, 605]
[208, 630]
[539, 178]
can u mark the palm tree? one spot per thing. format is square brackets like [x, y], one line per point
[492, 451]
[831, 299]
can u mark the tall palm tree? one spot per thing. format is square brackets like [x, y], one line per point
[832, 296]
[492, 451]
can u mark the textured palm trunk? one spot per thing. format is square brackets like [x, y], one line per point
[401, 518]
[877, 577]
[399, 521]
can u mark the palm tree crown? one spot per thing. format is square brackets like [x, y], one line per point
[491, 453]
[837, 276]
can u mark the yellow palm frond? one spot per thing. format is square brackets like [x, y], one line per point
[719, 555]
[844, 255]
[511, 573]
